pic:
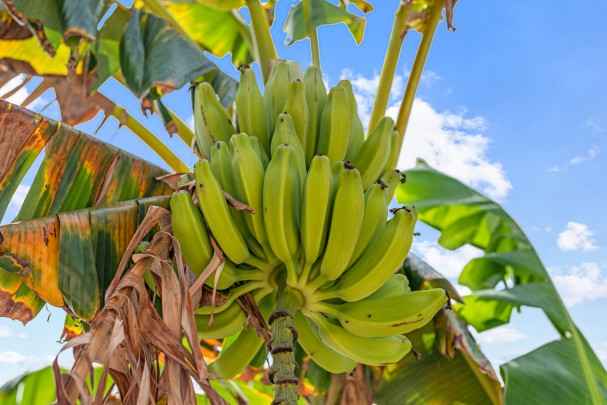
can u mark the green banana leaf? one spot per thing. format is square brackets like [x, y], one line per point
[101, 55]
[38, 388]
[77, 171]
[464, 216]
[66, 260]
[323, 12]
[448, 353]
[56, 254]
[215, 30]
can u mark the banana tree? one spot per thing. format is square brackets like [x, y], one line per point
[86, 210]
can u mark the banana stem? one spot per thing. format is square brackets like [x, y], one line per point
[265, 50]
[397, 37]
[416, 71]
[312, 33]
[284, 336]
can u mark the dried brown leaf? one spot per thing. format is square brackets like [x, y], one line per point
[130, 339]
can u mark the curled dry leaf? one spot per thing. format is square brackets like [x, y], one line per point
[129, 338]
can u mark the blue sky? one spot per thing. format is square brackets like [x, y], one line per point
[513, 103]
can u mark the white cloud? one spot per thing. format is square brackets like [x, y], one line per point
[10, 358]
[429, 77]
[502, 334]
[554, 169]
[576, 237]
[6, 332]
[450, 142]
[448, 262]
[20, 194]
[585, 282]
[365, 89]
[591, 154]
[577, 159]
[446, 141]
[592, 124]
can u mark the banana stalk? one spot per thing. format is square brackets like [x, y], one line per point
[284, 336]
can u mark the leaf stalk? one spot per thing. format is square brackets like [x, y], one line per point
[151, 140]
[265, 50]
[397, 37]
[416, 70]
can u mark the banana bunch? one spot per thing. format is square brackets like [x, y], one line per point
[318, 218]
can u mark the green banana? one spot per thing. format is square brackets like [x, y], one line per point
[281, 192]
[185, 179]
[388, 316]
[235, 357]
[336, 170]
[297, 107]
[212, 122]
[374, 218]
[263, 155]
[357, 131]
[226, 323]
[252, 115]
[191, 232]
[248, 171]
[318, 351]
[385, 254]
[295, 71]
[346, 221]
[315, 210]
[230, 274]
[397, 285]
[316, 97]
[335, 125]
[392, 178]
[373, 154]
[259, 289]
[392, 161]
[221, 165]
[276, 91]
[227, 320]
[217, 213]
[285, 133]
[372, 351]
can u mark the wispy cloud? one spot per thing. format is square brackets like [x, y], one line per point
[502, 334]
[576, 237]
[450, 142]
[577, 284]
[592, 124]
[590, 154]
